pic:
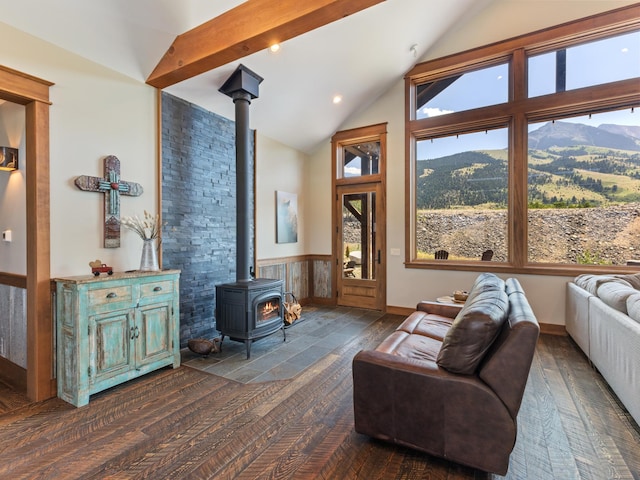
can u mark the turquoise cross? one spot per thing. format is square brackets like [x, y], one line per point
[112, 187]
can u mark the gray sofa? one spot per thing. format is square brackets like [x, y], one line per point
[603, 317]
[449, 381]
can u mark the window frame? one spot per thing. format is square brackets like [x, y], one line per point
[517, 113]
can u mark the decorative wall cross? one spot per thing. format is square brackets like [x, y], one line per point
[112, 187]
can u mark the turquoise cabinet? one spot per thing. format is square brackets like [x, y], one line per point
[110, 329]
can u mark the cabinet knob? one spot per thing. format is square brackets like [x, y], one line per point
[157, 289]
[112, 295]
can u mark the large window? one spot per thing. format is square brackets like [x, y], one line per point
[529, 155]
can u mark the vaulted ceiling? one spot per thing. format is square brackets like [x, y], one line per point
[358, 57]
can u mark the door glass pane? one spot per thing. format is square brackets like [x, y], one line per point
[360, 253]
[360, 159]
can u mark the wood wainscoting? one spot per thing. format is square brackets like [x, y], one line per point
[308, 277]
[13, 330]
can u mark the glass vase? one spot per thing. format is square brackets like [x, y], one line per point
[149, 260]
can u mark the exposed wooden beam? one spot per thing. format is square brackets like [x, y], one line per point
[248, 28]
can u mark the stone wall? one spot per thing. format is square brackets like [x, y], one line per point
[199, 208]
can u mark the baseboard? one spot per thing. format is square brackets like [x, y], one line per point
[553, 329]
[327, 302]
[400, 310]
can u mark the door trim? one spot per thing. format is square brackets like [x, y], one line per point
[377, 132]
[33, 93]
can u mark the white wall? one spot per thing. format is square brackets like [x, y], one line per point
[95, 112]
[502, 19]
[13, 189]
[278, 168]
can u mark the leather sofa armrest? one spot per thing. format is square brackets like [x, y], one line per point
[418, 404]
[437, 308]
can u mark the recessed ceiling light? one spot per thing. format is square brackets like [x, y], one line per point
[337, 99]
[275, 48]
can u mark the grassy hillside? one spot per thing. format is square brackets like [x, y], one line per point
[574, 176]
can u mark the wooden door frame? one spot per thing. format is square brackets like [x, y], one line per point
[340, 139]
[33, 93]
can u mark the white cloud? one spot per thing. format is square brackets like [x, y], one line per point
[434, 112]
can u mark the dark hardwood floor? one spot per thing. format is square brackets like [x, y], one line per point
[186, 423]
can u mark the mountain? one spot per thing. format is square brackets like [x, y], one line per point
[628, 130]
[565, 134]
[570, 165]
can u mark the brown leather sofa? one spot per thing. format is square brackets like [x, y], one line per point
[449, 381]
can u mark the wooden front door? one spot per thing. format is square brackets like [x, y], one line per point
[361, 246]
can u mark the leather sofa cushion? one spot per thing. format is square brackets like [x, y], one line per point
[474, 330]
[405, 345]
[615, 293]
[427, 325]
[485, 282]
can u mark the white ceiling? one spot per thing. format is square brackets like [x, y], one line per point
[359, 57]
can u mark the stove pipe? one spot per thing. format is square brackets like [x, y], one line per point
[242, 87]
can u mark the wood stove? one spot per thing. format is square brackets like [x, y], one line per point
[249, 308]
[247, 311]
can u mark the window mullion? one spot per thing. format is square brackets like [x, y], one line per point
[518, 236]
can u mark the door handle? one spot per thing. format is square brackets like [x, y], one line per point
[378, 257]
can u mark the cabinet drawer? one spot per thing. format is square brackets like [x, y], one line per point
[112, 296]
[153, 290]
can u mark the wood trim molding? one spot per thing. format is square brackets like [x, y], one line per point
[623, 19]
[406, 311]
[275, 261]
[552, 329]
[159, 167]
[18, 87]
[13, 280]
[248, 28]
[518, 111]
[13, 375]
[33, 93]
[39, 319]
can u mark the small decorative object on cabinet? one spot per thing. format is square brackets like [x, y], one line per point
[97, 267]
[110, 330]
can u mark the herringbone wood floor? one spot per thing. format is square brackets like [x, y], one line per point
[187, 423]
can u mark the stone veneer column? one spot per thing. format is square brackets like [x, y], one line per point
[199, 206]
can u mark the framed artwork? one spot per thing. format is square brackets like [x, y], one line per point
[286, 217]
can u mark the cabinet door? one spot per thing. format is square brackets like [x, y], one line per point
[110, 337]
[153, 338]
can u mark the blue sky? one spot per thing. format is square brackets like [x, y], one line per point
[614, 59]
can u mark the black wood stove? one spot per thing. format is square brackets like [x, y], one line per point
[248, 308]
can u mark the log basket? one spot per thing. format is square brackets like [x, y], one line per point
[292, 309]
